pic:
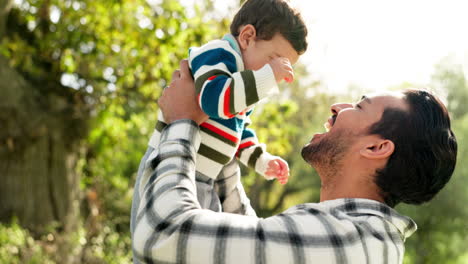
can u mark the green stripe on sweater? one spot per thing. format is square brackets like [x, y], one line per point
[232, 108]
[251, 95]
[213, 155]
[204, 77]
[254, 157]
[218, 136]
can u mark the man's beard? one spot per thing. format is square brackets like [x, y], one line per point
[326, 156]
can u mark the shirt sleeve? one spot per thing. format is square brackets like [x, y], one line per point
[171, 227]
[223, 90]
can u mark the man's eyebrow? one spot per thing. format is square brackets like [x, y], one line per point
[366, 99]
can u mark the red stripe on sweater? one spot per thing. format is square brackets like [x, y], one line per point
[227, 100]
[220, 132]
[243, 146]
[246, 144]
[212, 77]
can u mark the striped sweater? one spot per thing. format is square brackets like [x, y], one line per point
[227, 93]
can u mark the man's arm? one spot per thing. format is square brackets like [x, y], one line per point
[170, 225]
[169, 220]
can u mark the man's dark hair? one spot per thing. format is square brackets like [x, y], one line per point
[270, 17]
[425, 149]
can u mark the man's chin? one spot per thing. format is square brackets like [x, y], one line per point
[317, 137]
[306, 153]
[315, 151]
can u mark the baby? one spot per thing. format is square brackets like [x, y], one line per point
[231, 75]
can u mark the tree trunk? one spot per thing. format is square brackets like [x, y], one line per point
[39, 136]
[39, 185]
[37, 160]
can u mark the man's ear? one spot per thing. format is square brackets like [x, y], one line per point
[247, 34]
[380, 149]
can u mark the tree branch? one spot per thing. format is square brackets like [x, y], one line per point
[5, 6]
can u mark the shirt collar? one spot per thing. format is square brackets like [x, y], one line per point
[232, 42]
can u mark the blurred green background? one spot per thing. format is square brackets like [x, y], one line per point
[78, 91]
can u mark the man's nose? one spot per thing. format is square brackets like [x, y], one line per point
[336, 108]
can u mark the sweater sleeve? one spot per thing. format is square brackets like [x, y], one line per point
[223, 89]
[253, 154]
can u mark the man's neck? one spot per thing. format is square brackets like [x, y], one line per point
[349, 186]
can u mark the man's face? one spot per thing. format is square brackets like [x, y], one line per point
[348, 130]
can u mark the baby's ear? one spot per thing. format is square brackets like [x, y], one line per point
[247, 34]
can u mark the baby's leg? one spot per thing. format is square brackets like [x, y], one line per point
[231, 192]
[207, 197]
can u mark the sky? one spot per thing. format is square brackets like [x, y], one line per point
[376, 44]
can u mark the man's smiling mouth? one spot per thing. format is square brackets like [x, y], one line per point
[330, 122]
[327, 126]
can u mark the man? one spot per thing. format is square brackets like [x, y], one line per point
[386, 149]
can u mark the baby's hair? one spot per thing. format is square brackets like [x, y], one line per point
[270, 17]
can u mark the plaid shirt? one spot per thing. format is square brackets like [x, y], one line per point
[172, 228]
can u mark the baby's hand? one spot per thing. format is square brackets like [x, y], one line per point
[279, 169]
[282, 69]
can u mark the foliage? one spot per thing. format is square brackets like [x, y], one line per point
[450, 78]
[17, 246]
[108, 246]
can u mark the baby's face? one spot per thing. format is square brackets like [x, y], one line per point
[260, 52]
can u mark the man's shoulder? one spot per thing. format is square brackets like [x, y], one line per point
[352, 206]
[356, 211]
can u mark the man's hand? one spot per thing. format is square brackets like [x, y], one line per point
[179, 100]
[282, 69]
[279, 169]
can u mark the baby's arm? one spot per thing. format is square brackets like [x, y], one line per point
[254, 155]
[224, 91]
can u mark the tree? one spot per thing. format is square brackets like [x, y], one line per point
[450, 78]
[67, 67]
[38, 138]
